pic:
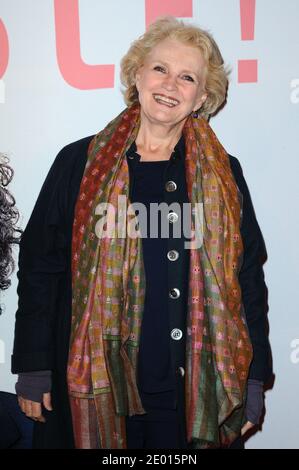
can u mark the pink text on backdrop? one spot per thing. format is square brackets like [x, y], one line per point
[4, 49]
[156, 8]
[83, 76]
[75, 72]
[67, 23]
[247, 69]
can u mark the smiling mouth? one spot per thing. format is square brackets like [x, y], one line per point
[167, 101]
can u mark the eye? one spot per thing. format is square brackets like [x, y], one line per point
[159, 68]
[188, 78]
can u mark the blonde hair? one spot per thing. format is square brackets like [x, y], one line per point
[170, 27]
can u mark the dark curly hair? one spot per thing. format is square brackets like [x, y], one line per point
[9, 232]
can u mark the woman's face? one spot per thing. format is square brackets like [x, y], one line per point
[171, 82]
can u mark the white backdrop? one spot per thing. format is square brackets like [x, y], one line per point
[48, 99]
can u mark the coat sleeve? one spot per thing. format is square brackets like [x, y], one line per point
[252, 282]
[42, 262]
[44, 274]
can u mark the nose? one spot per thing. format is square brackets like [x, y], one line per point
[169, 82]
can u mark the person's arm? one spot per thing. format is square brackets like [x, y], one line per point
[44, 267]
[42, 261]
[253, 287]
[254, 297]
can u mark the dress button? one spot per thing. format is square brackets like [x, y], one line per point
[170, 186]
[174, 293]
[172, 255]
[176, 334]
[181, 371]
[172, 217]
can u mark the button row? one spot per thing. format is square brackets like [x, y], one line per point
[176, 334]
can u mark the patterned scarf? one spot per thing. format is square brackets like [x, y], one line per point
[109, 289]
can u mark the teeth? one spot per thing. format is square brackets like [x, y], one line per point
[165, 100]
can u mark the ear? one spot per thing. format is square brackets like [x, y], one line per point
[201, 101]
[137, 78]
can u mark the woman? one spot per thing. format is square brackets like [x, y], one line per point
[141, 341]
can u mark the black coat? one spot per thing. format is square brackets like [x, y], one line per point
[43, 317]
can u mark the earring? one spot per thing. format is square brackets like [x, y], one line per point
[195, 114]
